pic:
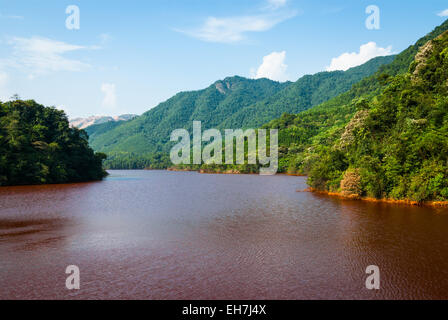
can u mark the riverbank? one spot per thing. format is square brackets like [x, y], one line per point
[438, 204]
[208, 171]
[229, 171]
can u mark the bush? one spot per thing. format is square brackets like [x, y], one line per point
[351, 184]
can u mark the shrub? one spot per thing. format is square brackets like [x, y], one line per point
[351, 184]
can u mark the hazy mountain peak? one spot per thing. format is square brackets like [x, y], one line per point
[83, 123]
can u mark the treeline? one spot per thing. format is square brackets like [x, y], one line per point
[132, 161]
[37, 146]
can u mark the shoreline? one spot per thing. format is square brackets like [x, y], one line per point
[434, 204]
[230, 171]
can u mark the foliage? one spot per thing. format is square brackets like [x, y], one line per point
[351, 184]
[132, 161]
[37, 146]
[401, 146]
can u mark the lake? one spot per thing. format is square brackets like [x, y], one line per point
[184, 235]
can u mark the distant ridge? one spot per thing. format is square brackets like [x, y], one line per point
[234, 102]
[82, 123]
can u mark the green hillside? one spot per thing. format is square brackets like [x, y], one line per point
[307, 139]
[234, 102]
[385, 138]
[308, 91]
[396, 146]
[150, 132]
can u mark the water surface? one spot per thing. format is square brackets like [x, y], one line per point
[184, 235]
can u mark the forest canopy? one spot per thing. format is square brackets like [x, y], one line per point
[396, 145]
[385, 138]
[37, 146]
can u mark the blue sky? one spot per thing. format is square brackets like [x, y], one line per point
[128, 56]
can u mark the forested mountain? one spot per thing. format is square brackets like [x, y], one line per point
[385, 138]
[308, 91]
[234, 102]
[38, 146]
[396, 146]
[151, 131]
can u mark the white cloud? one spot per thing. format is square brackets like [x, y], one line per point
[233, 29]
[273, 67]
[275, 4]
[41, 56]
[443, 13]
[366, 52]
[110, 97]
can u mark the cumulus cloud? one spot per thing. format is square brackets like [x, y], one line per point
[273, 67]
[443, 13]
[41, 56]
[366, 52]
[234, 29]
[110, 97]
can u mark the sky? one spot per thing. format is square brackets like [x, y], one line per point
[115, 57]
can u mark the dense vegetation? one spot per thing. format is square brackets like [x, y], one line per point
[396, 146]
[308, 91]
[132, 161]
[345, 140]
[37, 146]
[306, 138]
[234, 102]
[150, 132]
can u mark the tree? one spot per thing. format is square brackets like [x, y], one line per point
[38, 146]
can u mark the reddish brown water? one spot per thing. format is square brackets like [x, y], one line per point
[181, 235]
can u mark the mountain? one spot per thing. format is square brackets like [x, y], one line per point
[308, 91]
[82, 123]
[37, 146]
[151, 131]
[386, 137]
[305, 137]
[234, 102]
